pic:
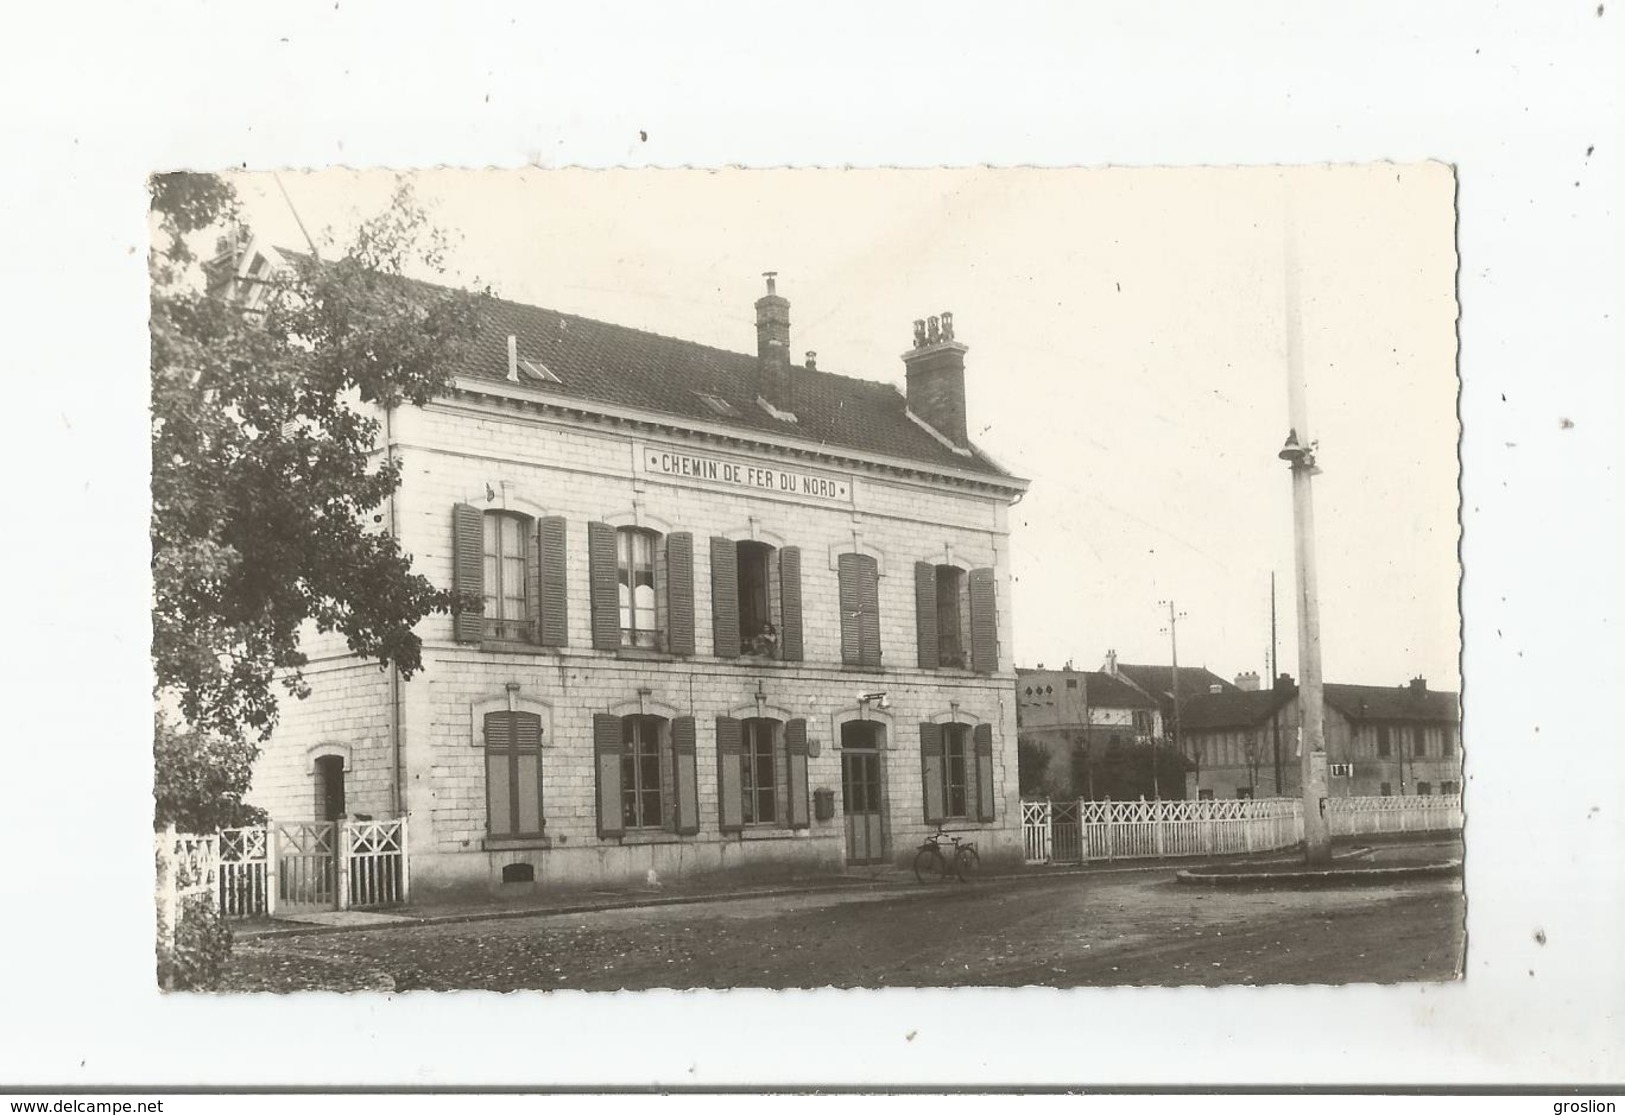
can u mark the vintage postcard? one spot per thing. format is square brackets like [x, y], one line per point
[639, 579]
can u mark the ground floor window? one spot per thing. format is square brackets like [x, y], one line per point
[640, 772]
[1424, 789]
[1387, 790]
[1204, 795]
[756, 771]
[1244, 791]
[955, 795]
[1449, 788]
[513, 774]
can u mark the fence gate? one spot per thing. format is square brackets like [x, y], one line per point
[307, 866]
[1035, 830]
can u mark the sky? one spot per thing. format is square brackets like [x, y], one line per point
[1126, 333]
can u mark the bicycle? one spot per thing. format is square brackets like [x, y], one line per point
[962, 862]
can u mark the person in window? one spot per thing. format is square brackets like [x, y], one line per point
[765, 642]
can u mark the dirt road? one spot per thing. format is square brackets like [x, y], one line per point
[1137, 927]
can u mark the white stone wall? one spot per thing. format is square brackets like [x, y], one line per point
[454, 453]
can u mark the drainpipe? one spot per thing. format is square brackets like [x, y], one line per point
[397, 803]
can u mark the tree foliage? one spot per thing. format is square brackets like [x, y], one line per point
[200, 779]
[269, 479]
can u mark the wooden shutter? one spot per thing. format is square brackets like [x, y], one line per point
[795, 766]
[790, 604]
[468, 572]
[680, 592]
[869, 622]
[724, 598]
[982, 734]
[730, 806]
[859, 599]
[553, 592]
[601, 571]
[606, 745]
[931, 770]
[984, 623]
[925, 613]
[685, 766]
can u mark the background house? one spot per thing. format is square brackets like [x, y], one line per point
[1379, 740]
[1083, 720]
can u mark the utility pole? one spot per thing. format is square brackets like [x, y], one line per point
[1299, 453]
[1173, 640]
[1275, 672]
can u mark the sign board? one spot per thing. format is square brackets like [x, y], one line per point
[1343, 770]
[758, 476]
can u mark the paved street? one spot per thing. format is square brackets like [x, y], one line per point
[1124, 927]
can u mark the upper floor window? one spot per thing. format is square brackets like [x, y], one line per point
[952, 604]
[1384, 747]
[1142, 722]
[1447, 739]
[956, 617]
[755, 599]
[758, 633]
[635, 587]
[1420, 740]
[513, 568]
[506, 554]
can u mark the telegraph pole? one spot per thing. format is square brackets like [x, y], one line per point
[1173, 640]
[1299, 453]
[1275, 671]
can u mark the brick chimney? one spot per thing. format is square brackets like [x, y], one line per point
[935, 370]
[1247, 682]
[1419, 685]
[773, 384]
[1284, 681]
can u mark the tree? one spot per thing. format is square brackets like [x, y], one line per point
[268, 487]
[200, 779]
[1130, 771]
[1032, 765]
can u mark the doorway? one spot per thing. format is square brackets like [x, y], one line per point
[863, 792]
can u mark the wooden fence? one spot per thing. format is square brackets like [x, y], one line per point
[290, 865]
[1084, 831]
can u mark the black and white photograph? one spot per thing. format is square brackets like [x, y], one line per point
[787, 579]
[569, 550]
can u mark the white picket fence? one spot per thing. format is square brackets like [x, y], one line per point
[1082, 831]
[256, 870]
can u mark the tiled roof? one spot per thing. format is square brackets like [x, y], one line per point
[1237, 709]
[1381, 702]
[1104, 691]
[1234, 708]
[1160, 679]
[596, 362]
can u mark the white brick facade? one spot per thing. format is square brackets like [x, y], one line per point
[480, 448]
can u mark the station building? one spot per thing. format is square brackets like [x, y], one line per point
[740, 614]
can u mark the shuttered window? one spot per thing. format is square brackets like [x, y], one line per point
[680, 592]
[986, 804]
[859, 601]
[956, 764]
[795, 773]
[553, 618]
[635, 587]
[790, 645]
[931, 771]
[467, 572]
[641, 805]
[757, 783]
[513, 774]
[505, 577]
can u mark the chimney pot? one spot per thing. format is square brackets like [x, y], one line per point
[935, 370]
[812, 361]
[773, 382]
[1419, 685]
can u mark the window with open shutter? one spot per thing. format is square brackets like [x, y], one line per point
[606, 625]
[467, 570]
[607, 746]
[931, 771]
[685, 764]
[986, 803]
[680, 592]
[724, 598]
[730, 796]
[795, 752]
[925, 613]
[984, 622]
[553, 591]
[790, 646]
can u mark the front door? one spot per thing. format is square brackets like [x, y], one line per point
[862, 793]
